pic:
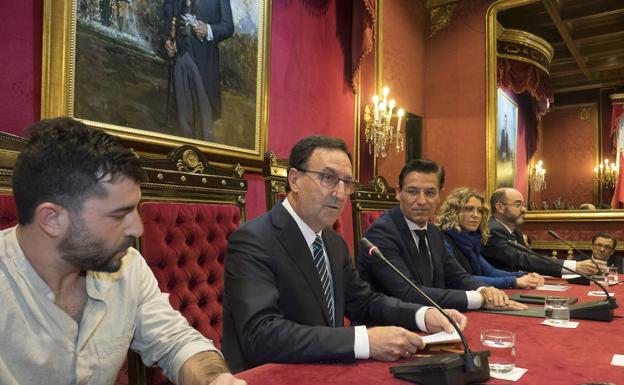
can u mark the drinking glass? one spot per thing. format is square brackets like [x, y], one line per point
[602, 280]
[556, 310]
[612, 275]
[502, 347]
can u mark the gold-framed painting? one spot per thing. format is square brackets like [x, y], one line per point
[162, 74]
[506, 140]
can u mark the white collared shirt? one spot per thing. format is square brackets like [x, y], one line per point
[41, 344]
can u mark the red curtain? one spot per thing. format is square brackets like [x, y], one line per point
[528, 79]
[617, 145]
[363, 36]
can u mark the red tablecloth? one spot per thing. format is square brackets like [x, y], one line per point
[551, 355]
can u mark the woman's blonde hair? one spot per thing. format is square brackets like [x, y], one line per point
[448, 217]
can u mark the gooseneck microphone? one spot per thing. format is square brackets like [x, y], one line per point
[447, 369]
[557, 237]
[600, 310]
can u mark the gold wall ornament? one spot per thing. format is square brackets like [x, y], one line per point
[584, 113]
[238, 170]
[440, 17]
[190, 162]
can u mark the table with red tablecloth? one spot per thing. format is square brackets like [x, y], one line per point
[551, 355]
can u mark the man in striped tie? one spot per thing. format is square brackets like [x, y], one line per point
[290, 282]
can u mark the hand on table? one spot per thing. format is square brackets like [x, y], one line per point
[588, 267]
[529, 281]
[493, 297]
[389, 343]
[436, 322]
[511, 305]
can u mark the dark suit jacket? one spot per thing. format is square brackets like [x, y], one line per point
[273, 307]
[391, 234]
[498, 252]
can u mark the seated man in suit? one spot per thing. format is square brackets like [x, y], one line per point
[289, 280]
[603, 249]
[508, 210]
[415, 246]
[74, 294]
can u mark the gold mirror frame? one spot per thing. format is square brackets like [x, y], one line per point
[58, 77]
[490, 129]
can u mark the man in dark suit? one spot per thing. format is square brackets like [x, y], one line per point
[508, 210]
[405, 236]
[194, 43]
[289, 280]
[603, 249]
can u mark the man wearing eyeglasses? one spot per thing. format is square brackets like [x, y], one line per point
[415, 246]
[508, 209]
[289, 279]
[603, 249]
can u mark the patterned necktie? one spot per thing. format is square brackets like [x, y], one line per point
[423, 248]
[321, 267]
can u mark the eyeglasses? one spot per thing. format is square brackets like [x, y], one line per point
[601, 246]
[517, 204]
[429, 193]
[330, 181]
[472, 209]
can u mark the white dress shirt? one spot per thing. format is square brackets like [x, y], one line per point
[41, 344]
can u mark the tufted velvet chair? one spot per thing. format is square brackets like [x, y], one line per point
[189, 210]
[275, 172]
[368, 203]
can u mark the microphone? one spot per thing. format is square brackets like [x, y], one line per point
[600, 310]
[556, 236]
[445, 369]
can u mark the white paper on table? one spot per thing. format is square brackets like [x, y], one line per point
[570, 276]
[513, 375]
[617, 360]
[553, 287]
[567, 325]
[441, 337]
[599, 294]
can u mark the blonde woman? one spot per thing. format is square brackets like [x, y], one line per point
[463, 221]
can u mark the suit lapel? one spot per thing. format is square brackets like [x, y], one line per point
[298, 251]
[416, 262]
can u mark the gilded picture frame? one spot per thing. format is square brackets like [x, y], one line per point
[84, 76]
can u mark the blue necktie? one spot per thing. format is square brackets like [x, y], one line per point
[321, 267]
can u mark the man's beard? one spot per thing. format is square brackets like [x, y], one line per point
[80, 249]
[515, 219]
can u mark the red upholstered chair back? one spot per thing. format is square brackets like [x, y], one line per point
[368, 203]
[275, 173]
[8, 212]
[189, 209]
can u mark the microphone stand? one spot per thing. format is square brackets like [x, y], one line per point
[447, 369]
[594, 310]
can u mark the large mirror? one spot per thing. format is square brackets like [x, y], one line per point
[577, 45]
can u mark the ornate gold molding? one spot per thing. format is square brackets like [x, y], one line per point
[524, 46]
[440, 17]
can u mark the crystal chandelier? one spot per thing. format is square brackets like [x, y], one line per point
[380, 133]
[606, 174]
[537, 177]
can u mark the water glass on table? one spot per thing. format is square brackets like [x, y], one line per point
[594, 289]
[502, 347]
[612, 275]
[557, 310]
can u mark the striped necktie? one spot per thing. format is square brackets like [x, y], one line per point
[321, 267]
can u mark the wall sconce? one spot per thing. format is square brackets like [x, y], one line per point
[537, 177]
[380, 133]
[606, 174]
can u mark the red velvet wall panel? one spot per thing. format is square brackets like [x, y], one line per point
[20, 84]
[455, 97]
[569, 152]
[309, 92]
[404, 31]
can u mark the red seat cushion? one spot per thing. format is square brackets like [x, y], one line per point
[368, 217]
[184, 245]
[8, 212]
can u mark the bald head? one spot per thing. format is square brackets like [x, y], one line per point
[508, 206]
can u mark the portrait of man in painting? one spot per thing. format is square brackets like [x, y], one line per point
[183, 68]
[506, 140]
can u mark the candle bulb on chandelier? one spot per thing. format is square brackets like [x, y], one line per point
[400, 114]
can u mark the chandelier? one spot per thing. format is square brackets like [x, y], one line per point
[380, 133]
[537, 177]
[606, 174]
